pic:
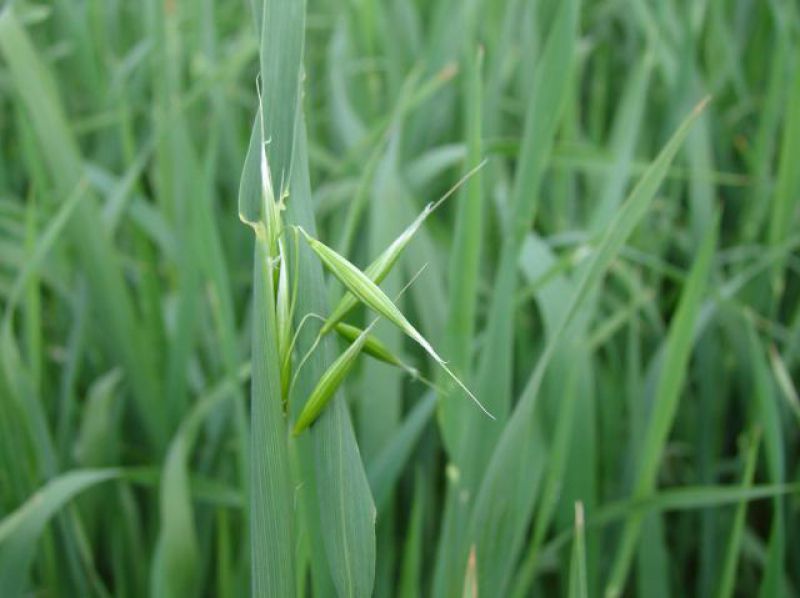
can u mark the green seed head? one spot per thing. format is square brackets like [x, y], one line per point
[373, 347]
[330, 382]
[366, 291]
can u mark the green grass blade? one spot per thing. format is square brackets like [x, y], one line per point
[343, 519]
[251, 198]
[577, 567]
[687, 498]
[177, 559]
[385, 469]
[336, 499]
[471, 576]
[97, 440]
[766, 412]
[281, 41]
[280, 56]
[345, 527]
[728, 574]
[20, 530]
[671, 379]
[627, 126]
[498, 525]
[784, 381]
[549, 90]
[271, 501]
[787, 191]
[552, 81]
[35, 87]
[465, 259]
[411, 574]
[557, 459]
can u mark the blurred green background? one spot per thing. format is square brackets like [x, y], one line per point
[641, 358]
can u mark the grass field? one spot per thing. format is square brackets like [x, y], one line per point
[242, 351]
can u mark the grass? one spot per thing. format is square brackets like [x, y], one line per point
[239, 338]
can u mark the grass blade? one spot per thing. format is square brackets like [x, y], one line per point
[551, 84]
[577, 567]
[344, 524]
[37, 91]
[728, 575]
[465, 260]
[671, 378]
[177, 558]
[385, 469]
[271, 510]
[496, 524]
[20, 530]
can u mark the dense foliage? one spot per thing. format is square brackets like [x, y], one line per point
[618, 284]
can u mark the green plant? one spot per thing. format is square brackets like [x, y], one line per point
[193, 407]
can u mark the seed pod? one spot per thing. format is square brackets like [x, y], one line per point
[383, 264]
[373, 347]
[330, 382]
[372, 296]
[377, 270]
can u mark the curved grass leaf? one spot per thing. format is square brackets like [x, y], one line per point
[20, 530]
[465, 258]
[335, 498]
[552, 78]
[176, 563]
[552, 81]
